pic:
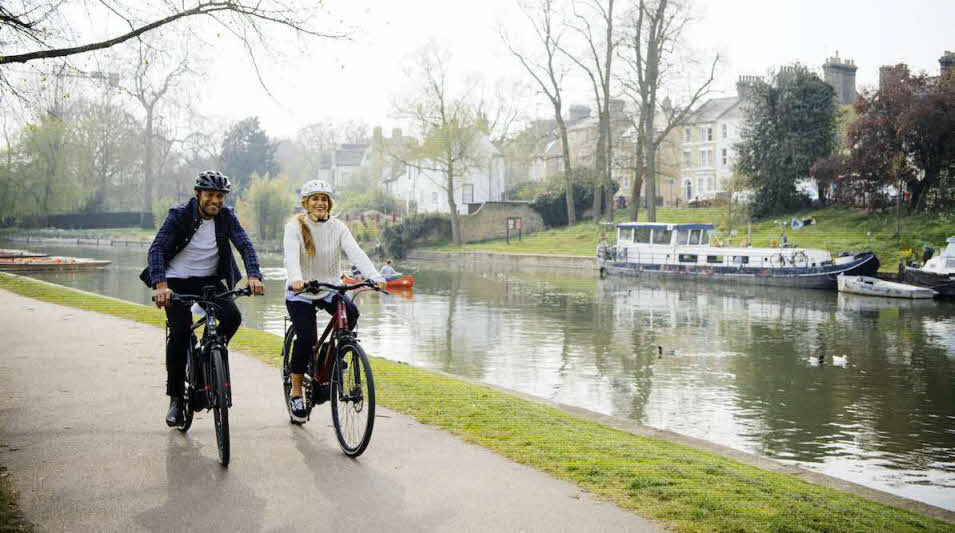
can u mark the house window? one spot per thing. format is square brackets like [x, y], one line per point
[702, 134]
[709, 134]
[467, 194]
[724, 156]
[689, 190]
[434, 197]
[712, 183]
[703, 161]
[725, 131]
[687, 160]
[686, 134]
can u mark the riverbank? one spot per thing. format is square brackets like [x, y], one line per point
[836, 230]
[687, 488]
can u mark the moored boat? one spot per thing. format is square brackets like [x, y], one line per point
[50, 263]
[869, 286]
[938, 273]
[683, 251]
[8, 252]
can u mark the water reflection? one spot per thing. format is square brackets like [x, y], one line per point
[737, 363]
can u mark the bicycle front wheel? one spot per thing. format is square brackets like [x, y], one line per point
[353, 398]
[221, 409]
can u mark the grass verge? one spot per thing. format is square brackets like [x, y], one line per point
[686, 489]
[836, 230]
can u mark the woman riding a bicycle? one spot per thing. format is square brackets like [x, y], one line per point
[313, 244]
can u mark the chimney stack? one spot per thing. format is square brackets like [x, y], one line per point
[744, 86]
[841, 75]
[946, 62]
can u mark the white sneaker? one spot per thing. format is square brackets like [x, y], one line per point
[297, 409]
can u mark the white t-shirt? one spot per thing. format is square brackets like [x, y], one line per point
[200, 257]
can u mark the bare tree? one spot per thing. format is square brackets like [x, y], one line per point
[655, 31]
[447, 125]
[37, 29]
[148, 89]
[548, 73]
[600, 44]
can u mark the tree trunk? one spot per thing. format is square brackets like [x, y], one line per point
[147, 221]
[651, 185]
[568, 174]
[635, 194]
[455, 229]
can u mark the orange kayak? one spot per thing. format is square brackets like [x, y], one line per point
[398, 283]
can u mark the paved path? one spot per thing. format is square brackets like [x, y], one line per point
[82, 434]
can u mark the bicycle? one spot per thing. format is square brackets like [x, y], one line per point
[342, 364]
[209, 359]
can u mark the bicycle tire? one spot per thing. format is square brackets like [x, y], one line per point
[353, 398]
[187, 405]
[221, 408]
[287, 377]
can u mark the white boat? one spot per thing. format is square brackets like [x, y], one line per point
[869, 286]
[683, 251]
[938, 273]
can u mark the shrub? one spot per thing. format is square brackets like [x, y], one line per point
[417, 230]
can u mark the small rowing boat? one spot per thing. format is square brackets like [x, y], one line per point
[398, 283]
[869, 286]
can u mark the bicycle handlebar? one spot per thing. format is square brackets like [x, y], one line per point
[193, 298]
[314, 287]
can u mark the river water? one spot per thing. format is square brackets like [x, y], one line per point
[732, 365]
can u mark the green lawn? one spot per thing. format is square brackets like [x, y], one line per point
[686, 489]
[836, 230]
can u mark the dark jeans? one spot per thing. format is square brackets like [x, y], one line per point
[306, 328]
[180, 320]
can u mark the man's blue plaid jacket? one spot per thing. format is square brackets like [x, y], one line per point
[181, 224]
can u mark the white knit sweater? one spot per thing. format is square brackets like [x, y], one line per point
[331, 238]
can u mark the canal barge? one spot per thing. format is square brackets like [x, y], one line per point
[684, 251]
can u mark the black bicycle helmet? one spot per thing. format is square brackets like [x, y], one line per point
[213, 180]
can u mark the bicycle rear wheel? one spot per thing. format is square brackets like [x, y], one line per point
[221, 408]
[353, 398]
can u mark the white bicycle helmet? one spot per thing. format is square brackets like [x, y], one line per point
[315, 187]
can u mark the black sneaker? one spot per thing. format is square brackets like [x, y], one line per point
[174, 417]
[296, 407]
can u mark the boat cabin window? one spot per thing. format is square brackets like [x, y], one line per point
[683, 236]
[661, 236]
[688, 258]
[705, 237]
[643, 235]
[626, 234]
[714, 259]
[740, 259]
[695, 236]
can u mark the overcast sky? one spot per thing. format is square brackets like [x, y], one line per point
[359, 78]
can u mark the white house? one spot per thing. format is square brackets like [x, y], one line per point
[425, 191]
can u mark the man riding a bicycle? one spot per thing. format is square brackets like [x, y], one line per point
[313, 243]
[191, 251]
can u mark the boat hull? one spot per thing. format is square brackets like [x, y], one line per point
[944, 285]
[869, 286]
[50, 263]
[808, 278]
[404, 282]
